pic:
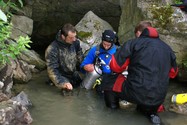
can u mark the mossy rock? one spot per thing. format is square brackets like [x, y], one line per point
[83, 35]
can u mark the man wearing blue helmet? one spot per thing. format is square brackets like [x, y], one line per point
[102, 52]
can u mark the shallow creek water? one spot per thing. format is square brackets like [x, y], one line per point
[87, 108]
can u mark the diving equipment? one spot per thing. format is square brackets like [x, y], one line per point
[91, 77]
[179, 98]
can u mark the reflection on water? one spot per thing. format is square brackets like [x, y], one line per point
[83, 108]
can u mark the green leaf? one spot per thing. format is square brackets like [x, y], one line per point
[14, 6]
[3, 16]
[27, 45]
[10, 49]
[21, 3]
[2, 3]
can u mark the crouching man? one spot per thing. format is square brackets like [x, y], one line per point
[151, 62]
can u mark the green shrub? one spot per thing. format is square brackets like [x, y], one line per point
[9, 50]
[162, 16]
[177, 1]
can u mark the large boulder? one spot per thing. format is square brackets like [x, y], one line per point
[131, 15]
[21, 71]
[32, 58]
[28, 61]
[13, 113]
[175, 36]
[6, 79]
[22, 26]
[22, 97]
[50, 15]
[90, 30]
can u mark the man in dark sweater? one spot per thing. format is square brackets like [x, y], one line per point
[63, 57]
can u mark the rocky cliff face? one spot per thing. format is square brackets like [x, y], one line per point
[174, 35]
[131, 15]
[50, 15]
[122, 15]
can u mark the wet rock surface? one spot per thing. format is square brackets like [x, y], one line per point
[13, 112]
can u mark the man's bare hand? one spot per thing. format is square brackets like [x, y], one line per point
[67, 86]
[89, 67]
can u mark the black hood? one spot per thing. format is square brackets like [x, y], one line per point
[150, 32]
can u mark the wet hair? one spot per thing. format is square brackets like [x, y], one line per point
[142, 25]
[66, 28]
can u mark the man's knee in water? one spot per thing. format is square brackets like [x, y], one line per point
[111, 100]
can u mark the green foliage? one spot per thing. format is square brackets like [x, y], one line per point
[162, 15]
[3, 16]
[21, 3]
[9, 50]
[9, 6]
[83, 34]
[177, 2]
[5, 29]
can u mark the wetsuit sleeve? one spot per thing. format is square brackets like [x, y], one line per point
[53, 68]
[120, 60]
[174, 69]
[90, 58]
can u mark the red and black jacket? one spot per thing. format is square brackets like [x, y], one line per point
[152, 62]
